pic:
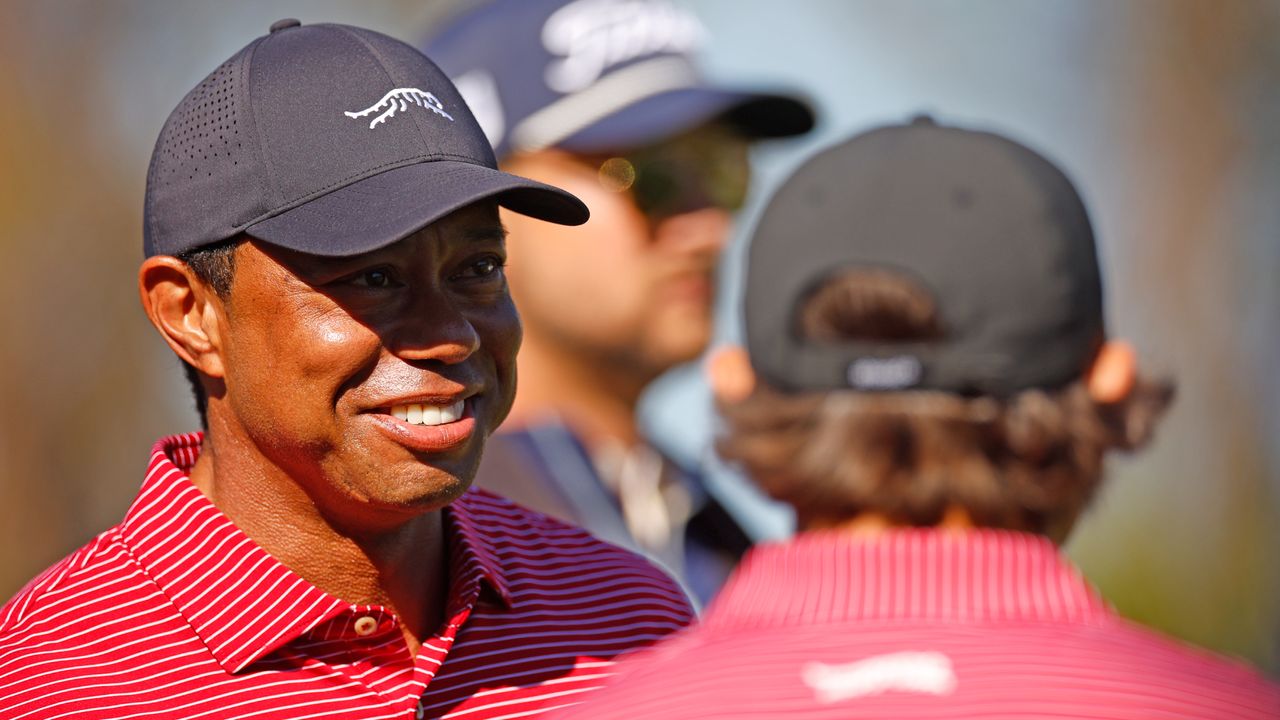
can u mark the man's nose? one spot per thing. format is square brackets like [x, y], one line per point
[435, 329]
[704, 231]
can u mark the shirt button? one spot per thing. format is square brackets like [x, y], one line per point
[420, 712]
[365, 625]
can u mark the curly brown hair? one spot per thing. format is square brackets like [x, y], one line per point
[1030, 462]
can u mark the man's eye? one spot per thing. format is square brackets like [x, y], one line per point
[374, 279]
[484, 267]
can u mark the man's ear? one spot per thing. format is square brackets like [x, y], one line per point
[1113, 374]
[729, 373]
[184, 310]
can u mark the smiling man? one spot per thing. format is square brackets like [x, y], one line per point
[324, 253]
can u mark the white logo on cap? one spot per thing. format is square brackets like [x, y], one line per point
[890, 373]
[594, 35]
[398, 100]
[479, 90]
[928, 673]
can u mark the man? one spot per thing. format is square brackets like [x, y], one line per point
[323, 251]
[604, 98]
[928, 381]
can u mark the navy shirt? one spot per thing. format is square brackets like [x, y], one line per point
[547, 468]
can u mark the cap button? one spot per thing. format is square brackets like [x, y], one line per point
[285, 23]
[924, 119]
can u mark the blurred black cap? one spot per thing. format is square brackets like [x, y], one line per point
[993, 230]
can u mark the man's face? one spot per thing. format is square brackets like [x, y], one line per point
[631, 287]
[373, 381]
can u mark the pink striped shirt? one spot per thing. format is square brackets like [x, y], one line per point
[922, 624]
[176, 613]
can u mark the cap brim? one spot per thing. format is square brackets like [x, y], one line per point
[654, 118]
[379, 210]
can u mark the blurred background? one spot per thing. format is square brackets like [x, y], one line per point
[1166, 113]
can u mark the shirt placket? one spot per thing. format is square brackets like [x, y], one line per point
[365, 644]
[432, 654]
[372, 637]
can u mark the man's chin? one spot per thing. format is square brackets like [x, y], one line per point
[681, 338]
[426, 487]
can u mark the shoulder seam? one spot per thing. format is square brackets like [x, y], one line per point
[19, 607]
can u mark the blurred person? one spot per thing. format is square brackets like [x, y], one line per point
[928, 381]
[605, 99]
[324, 253]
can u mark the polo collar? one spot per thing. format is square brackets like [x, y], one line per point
[476, 540]
[915, 574]
[241, 602]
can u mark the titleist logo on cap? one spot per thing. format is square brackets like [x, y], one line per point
[593, 35]
[480, 91]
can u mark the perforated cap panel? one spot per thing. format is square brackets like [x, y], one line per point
[206, 126]
[202, 161]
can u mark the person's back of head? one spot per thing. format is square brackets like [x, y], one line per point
[928, 380]
[924, 315]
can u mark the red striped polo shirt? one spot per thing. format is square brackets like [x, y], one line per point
[922, 624]
[176, 613]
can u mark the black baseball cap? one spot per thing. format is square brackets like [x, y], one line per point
[327, 139]
[993, 230]
[596, 75]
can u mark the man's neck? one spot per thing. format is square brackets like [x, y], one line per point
[955, 519]
[870, 524]
[403, 568]
[596, 398]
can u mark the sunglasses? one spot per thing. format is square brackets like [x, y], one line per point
[707, 168]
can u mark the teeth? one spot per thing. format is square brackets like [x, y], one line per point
[452, 413]
[418, 414]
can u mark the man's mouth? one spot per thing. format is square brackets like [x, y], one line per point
[424, 414]
[428, 426]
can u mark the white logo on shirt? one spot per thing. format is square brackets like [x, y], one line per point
[928, 673]
[594, 35]
[398, 100]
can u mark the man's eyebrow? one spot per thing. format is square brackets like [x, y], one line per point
[488, 232]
